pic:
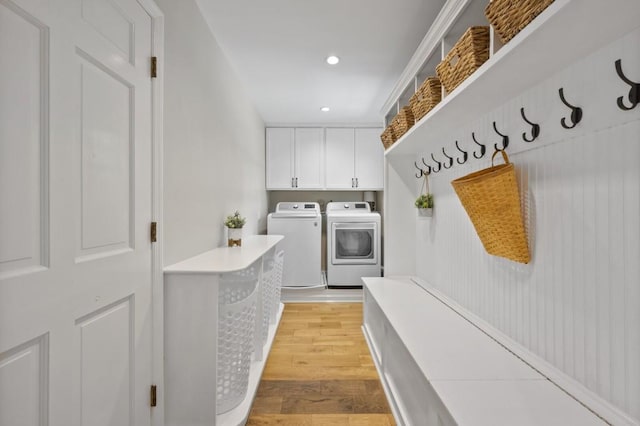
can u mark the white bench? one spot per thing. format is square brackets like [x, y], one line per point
[438, 368]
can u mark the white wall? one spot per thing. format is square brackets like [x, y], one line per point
[214, 140]
[577, 304]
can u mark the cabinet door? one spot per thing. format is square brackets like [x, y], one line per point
[280, 149]
[309, 158]
[369, 159]
[339, 145]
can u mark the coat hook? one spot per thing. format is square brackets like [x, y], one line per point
[505, 139]
[428, 171]
[464, 155]
[421, 173]
[634, 92]
[576, 112]
[483, 148]
[433, 169]
[449, 158]
[535, 128]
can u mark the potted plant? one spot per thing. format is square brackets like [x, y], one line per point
[424, 203]
[234, 224]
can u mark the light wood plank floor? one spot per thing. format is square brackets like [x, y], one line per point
[320, 372]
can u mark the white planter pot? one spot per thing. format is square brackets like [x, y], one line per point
[425, 212]
[234, 237]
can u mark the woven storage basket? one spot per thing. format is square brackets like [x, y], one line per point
[509, 17]
[427, 97]
[466, 56]
[402, 122]
[387, 137]
[491, 199]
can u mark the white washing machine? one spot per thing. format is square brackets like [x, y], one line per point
[301, 225]
[353, 243]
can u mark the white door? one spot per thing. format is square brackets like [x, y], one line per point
[339, 145]
[309, 154]
[75, 207]
[279, 148]
[369, 159]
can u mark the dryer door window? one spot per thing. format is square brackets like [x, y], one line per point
[354, 243]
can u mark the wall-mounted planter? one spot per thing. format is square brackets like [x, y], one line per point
[425, 212]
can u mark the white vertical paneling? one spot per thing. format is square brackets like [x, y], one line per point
[577, 304]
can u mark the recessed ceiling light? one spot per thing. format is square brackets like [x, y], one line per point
[325, 109]
[332, 60]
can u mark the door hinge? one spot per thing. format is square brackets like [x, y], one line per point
[154, 66]
[154, 232]
[153, 396]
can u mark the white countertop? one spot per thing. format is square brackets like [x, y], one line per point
[226, 259]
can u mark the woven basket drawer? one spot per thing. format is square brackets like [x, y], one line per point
[402, 122]
[428, 96]
[468, 54]
[509, 17]
[388, 137]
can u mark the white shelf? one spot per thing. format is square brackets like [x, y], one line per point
[565, 32]
[226, 259]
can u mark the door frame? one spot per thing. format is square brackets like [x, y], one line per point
[157, 153]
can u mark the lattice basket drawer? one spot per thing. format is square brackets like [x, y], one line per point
[268, 267]
[236, 328]
[276, 284]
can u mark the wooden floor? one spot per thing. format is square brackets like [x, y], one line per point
[319, 371]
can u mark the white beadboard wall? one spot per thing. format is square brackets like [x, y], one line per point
[577, 304]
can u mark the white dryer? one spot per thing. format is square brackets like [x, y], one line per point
[353, 243]
[301, 225]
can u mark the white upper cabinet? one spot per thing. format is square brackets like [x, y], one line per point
[280, 154]
[355, 159]
[309, 158]
[369, 160]
[294, 158]
[332, 158]
[340, 150]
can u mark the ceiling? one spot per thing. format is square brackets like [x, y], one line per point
[279, 47]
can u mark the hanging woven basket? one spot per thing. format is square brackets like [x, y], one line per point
[492, 201]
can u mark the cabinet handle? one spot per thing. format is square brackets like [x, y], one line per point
[292, 185]
[352, 183]
[357, 183]
[296, 182]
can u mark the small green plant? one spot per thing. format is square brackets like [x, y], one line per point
[235, 220]
[425, 201]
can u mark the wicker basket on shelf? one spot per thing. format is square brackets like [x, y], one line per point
[509, 17]
[402, 122]
[466, 56]
[427, 97]
[388, 137]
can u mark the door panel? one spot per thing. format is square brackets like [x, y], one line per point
[279, 158]
[23, 384]
[339, 161]
[309, 155]
[23, 141]
[75, 207]
[107, 350]
[107, 110]
[369, 159]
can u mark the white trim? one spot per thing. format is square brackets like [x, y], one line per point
[157, 286]
[429, 46]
